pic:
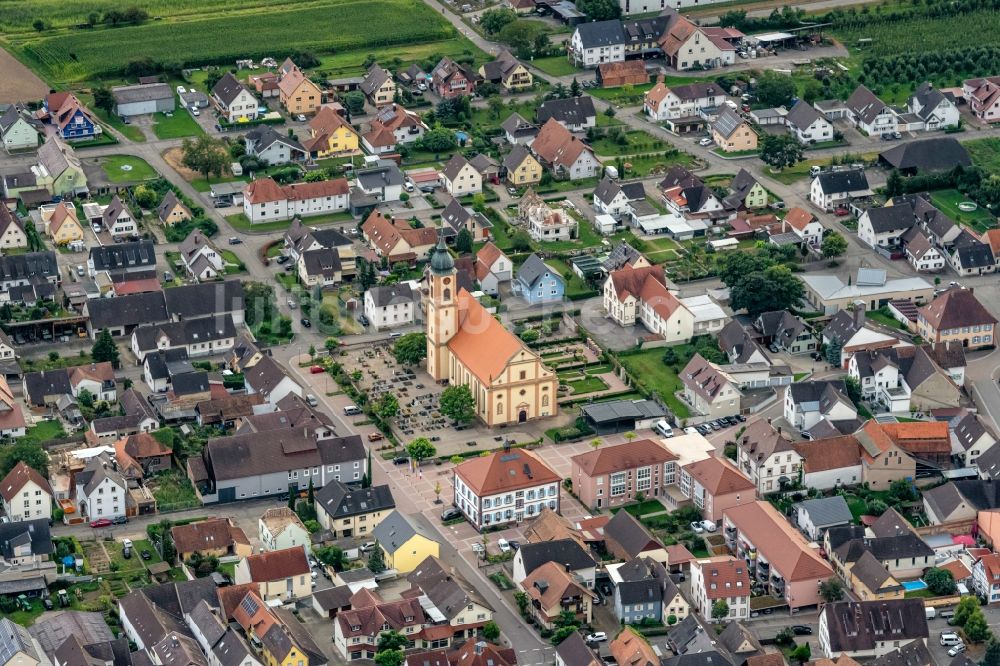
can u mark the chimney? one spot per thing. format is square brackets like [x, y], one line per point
[859, 314]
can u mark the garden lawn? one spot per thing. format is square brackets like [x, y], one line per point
[241, 223]
[623, 95]
[576, 286]
[884, 319]
[557, 66]
[642, 508]
[636, 142]
[648, 369]
[181, 124]
[948, 200]
[44, 431]
[140, 169]
[985, 153]
[130, 132]
[587, 385]
[173, 490]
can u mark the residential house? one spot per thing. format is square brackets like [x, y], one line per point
[815, 516]
[297, 94]
[211, 537]
[732, 134]
[903, 379]
[200, 336]
[970, 438]
[537, 283]
[507, 71]
[565, 155]
[504, 487]
[983, 97]
[747, 193]
[282, 639]
[59, 171]
[201, 258]
[349, 511]
[234, 102]
[935, 109]
[631, 647]
[396, 240]
[130, 257]
[830, 462]
[854, 333]
[266, 201]
[493, 268]
[62, 225]
[100, 490]
[709, 390]
[870, 580]
[687, 46]
[767, 457]
[404, 543]
[867, 629]
[806, 226]
[574, 113]
[644, 592]
[281, 528]
[19, 130]
[787, 332]
[923, 256]
[633, 295]
[883, 460]
[172, 210]
[27, 543]
[117, 219]
[381, 182]
[683, 108]
[12, 234]
[517, 130]
[391, 126]
[300, 239]
[25, 494]
[714, 485]
[44, 388]
[12, 423]
[542, 222]
[454, 599]
[389, 306]
[926, 155]
[870, 114]
[450, 79]
[596, 42]
[217, 640]
[521, 167]
[460, 178]
[614, 198]
[970, 256]
[567, 550]
[626, 538]
[574, 651]
[785, 563]
[271, 147]
[612, 475]
[832, 189]
[725, 579]
[319, 268]
[378, 85]
[458, 217]
[809, 403]
[142, 454]
[280, 574]
[330, 135]
[986, 578]
[552, 591]
[687, 195]
[72, 120]
[957, 315]
[807, 124]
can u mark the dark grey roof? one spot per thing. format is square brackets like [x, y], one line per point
[396, 529]
[185, 331]
[142, 93]
[532, 268]
[325, 262]
[972, 253]
[39, 384]
[341, 501]
[35, 532]
[199, 300]
[74, 651]
[568, 111]
[741, 186]
[860, 625]
[227, 88]
[885, 548]
[870, 571]
[375, 77]
[567, 552]
[28, 266]
[189, 383]
[601, 33]
[261, 137]
[886, 219]
[14, 639]
[710, 658]
[735, 635]
[640, 582]
[574, 651]
[445, 587]
[170, 201]
[683, 633]
[727, 122]
[851, 180]
[51, 629]
[982, 495]
[128, 310]
[453, 166]
[615, 410]
[389, 294]
[254, 454]
[163, 364]
[928, 97]
[970, 429]
[911, 654]
[624, 530]
[802, 115]
[333, 598]
[380, 176]
[864, 104]
[607, 190]
[455, 215]
[515, 157]
[989, 463]
[827, 511]
[935, 154]
[821, 391]
[121, 256]
[518, 127]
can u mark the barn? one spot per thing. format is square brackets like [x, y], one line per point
[143, 99]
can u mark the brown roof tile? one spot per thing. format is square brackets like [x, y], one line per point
[17, 477]
[501, 472]
[638, 453]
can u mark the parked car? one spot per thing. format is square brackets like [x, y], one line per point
[478, 549]
[312, 401]
[450, 514]
[503, 545]
[316, 370]
[306, 322]
[375, 437]
[802, 630]
[705, 142]
[696, 527]
[365, 547]
[119, 520]
[233, 240]
[146, 555]
[281, 258]
[100, 522]
[597, 637]
[403, 460]
[364, 320]
[292, 304]
[816, 356]
[841, 212]
[956, 650]
[47, 602]
[709, 525]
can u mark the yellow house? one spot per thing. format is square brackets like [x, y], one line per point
[404, 543]
[172, 210]
[522, 168]
[508, 72]
[280, 574]
[278, 633]
[871, 581]
[351, 512]
[63, 227]
[297, 93]
[732, 134]
[331, 135]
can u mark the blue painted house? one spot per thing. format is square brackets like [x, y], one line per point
[71, 119]
[536, 282]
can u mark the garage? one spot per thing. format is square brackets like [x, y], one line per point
[141, 100]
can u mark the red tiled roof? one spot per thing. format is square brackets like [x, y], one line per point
[724, 577]
[505, 471]
[278, 564]
[11, 484]
[630, 455]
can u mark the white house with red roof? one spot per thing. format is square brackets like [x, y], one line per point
[266, 201]
[986, 577]
[983, 97]
[723, 578]
[26, 494]
[805, 225]
[505, 487]
[634, 295]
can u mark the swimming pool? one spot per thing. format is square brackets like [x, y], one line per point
[913, 585]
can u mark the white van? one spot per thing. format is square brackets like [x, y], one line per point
[950, 638]
[661, 427]
[930, 612]
[351, 410]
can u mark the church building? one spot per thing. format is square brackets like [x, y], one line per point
[467, 346]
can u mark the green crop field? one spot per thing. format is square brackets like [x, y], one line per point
[921, 34]
[325, 27]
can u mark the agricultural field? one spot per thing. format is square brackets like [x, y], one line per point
[339, 27]
[921, 34]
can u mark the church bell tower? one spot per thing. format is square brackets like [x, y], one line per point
[442, 310]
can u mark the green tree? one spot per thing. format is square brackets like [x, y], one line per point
[976, 629]
[206, 155]
[38, 25]
[410, 349]
[894, 185]
[376, 560]
[494, 20]
[940, 582]
[421, 449]
[167, 550]
[105, 349]
[203, 565]
[562, 633]
[833, 349]
[720, 610]
[775, 89]
[28, 452]
[831, 590]
[389, 658]
[522, 601]
[775, 288]
[520, 241]
[965, 608]
[780, 151]
[456, 402]
[330, 556]
[354, 101]
[599, 10]
[387, 406]
[574, 88]
[496, 106]
[853, 387]
[104, 100]
[491, 631]
[833, 245]
[876, 507]
[438, 140]
[991, 657]
[802, 653]
[902, 490]
[390, 640]
[463, 241]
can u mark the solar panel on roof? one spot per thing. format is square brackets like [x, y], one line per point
[507, 457]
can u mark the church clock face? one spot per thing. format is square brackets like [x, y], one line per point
[447, 280]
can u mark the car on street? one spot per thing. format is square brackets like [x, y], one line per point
[709, 525]
[597, 637]
[119, 520]
[696, 527]
[705, 142]
[503, 545]
[802, 630]
[956, 650]
[100, 522]
[292, 304]
[305, 322]
[312, 401]
[316, 370]
[233, 240]
[450, 514]
[403, 460]
[816, 356]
